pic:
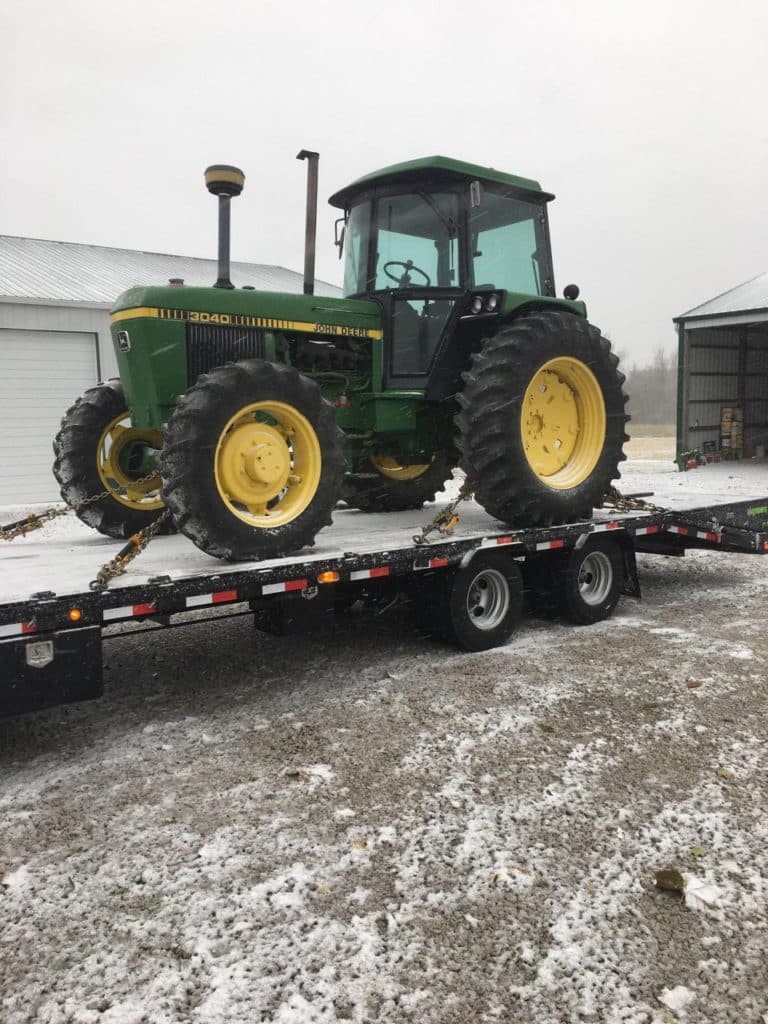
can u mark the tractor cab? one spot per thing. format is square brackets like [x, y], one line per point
[444, 247]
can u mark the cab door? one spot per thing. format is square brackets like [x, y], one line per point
[416, 276]
[416, 320]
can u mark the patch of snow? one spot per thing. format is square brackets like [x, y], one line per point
[700, 895]
[15, 879]
[677, 998]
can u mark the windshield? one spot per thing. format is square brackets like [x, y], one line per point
[417, 241]
[509, 245]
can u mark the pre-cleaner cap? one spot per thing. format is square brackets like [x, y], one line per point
[224, 180]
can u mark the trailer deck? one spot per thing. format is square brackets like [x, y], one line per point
[52, 619]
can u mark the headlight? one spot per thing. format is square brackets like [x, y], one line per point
[477, 304]
[492, 302]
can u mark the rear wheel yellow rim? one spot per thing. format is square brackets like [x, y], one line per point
[117, 436]
[562, 422]
[267, 464]
[391, 468]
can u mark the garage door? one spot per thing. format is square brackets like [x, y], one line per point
[41, 375]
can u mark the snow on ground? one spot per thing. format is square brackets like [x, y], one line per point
[366, 826]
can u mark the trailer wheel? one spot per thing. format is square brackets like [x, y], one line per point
[477, 607]
[588, 581]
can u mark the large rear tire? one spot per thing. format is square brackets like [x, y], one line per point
[541, 420]
[97, 450]
[252, 461]
[396, 487]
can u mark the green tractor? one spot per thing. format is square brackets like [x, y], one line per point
[250, 414]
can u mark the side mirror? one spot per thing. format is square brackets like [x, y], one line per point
[338, 234]
[571, 291]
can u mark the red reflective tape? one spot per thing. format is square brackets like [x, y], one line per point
[222, 596]
[28, 627]
[437, 563]
[144, 609]
[710, 536]
[549, 545]
[381, 571]
[505, 540]
[295, 585]
[682, 530]
[613, 526]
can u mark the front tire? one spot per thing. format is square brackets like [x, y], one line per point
[97, 450]
[252, 461]
[541, 421]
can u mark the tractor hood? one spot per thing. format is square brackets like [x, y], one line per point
[278, 311]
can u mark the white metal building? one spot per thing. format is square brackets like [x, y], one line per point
[723, 363]
[54, 337]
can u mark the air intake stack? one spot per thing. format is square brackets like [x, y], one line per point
[311, 221]
[224, 181]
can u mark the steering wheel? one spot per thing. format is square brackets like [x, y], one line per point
[404, 280]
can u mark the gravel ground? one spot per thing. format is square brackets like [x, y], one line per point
[365, 826]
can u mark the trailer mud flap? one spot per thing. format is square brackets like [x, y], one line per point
[631, 586]
[41, 671]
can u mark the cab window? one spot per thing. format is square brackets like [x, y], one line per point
[508, 245]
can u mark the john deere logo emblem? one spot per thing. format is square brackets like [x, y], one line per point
[123, 341]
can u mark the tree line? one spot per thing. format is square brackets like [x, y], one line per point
[652, 389]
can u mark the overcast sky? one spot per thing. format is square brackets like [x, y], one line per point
[646, 119]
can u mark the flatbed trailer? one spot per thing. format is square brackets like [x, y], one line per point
[466, 588]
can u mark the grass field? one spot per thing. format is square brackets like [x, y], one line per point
[650, 441]
[651, 429]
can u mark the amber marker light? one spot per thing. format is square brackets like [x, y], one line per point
[328, 577]
[74, 615]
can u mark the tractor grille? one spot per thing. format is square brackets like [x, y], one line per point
[210, 345]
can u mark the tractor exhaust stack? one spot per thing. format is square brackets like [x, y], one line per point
[311, 228]
[224, 181]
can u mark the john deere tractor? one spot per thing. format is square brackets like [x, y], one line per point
[251, 414]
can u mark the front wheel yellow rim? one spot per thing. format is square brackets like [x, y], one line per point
[563, 422]
[391, 468]
[131, 490]
[267, 464]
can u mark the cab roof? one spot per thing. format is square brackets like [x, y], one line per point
[434, 168]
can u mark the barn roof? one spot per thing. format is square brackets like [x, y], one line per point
[751, 297]
[94, 275]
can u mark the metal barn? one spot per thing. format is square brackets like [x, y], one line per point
[722, 399]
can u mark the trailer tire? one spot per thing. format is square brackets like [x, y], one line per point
[88, 460]
[587, 582]
[477, 607]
